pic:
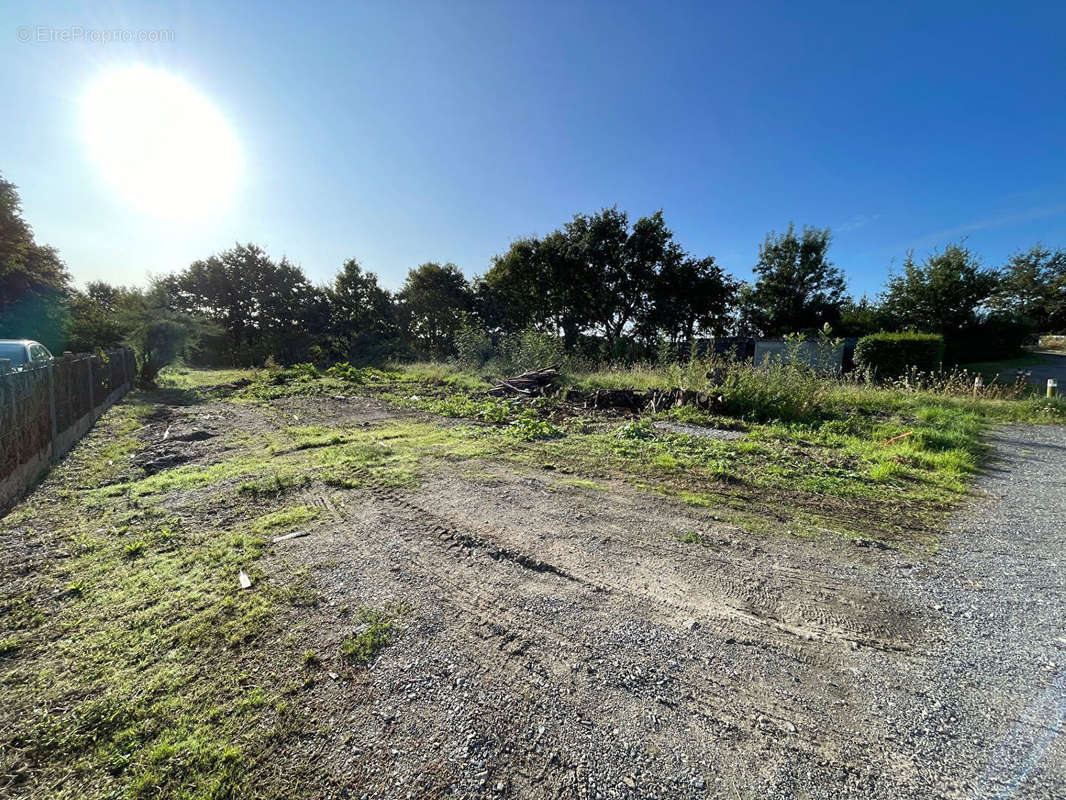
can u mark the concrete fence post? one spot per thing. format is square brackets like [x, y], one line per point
[89, 373]
[52, 411]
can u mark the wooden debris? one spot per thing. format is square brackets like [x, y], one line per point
[535, 383]
[897, 438]
[246, 582]
[293, 535]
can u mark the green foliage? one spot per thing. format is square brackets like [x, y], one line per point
[601, 273]
[159, 335]
[529, 426]
[364, 327]
[778, 390]
[432, 307]
[889, 355]
[948, 293]
[473, 344]
[797, 288]
[1033, 288]
[33, 280]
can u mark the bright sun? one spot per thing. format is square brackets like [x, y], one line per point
[160, 143]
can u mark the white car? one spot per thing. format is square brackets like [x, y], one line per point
[24, 354]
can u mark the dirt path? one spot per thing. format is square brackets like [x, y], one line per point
[566, 642]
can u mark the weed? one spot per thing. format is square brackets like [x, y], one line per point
[375, 634]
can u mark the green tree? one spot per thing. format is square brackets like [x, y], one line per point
[363, 324]
[943, 294]
[158, 333]
[797, 288]
[537, 283]
[33, 280]
[263, 307]
[600, 274]
[432, 305]
[100, 316]
[860, 318]
[1033, 287]
[619, 266]
[689, 297]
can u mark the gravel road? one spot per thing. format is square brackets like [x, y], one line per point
[989, 723]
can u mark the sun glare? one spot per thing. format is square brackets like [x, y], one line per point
[161, 144]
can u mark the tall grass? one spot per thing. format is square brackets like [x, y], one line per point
[794, 392]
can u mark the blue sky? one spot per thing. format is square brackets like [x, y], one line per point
[399, 133]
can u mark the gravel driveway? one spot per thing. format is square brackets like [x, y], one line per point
[989, 724]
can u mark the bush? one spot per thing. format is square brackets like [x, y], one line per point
[889, 355]
[790, 392]
[992, 338]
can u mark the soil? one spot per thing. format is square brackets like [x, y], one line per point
[558, 640]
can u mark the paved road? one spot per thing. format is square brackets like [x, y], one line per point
[996, 710]
[1054, 366]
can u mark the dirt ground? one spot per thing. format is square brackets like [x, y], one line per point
[556, 638]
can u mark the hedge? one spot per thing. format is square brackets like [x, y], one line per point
[887, 355]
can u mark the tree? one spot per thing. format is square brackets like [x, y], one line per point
[1033, 286]
[100, 316]
[33, 280]
[859, 318]
[158, 333]
[618, 266]
[943, 294]
[689, 297]
[797, 288]
[537, 283]
[600, 274]
[950, 293]
[432, 304]
[263, 307]
[363, 323]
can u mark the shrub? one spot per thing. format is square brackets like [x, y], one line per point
[889, 355]
[774, 391]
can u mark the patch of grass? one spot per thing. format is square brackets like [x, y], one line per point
[285, 519]
[301, 590]
[136, 686]
[581, 483]
[692, 537]
[375, 633]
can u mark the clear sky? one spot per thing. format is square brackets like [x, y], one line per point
[399, 133]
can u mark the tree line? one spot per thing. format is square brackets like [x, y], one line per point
[601, 285]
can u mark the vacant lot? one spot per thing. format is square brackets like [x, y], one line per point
[495, 598]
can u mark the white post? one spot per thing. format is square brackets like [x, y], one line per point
[1052, 387]
[978, 383]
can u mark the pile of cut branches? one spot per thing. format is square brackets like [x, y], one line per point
[535, 383]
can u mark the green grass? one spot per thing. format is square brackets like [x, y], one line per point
[375, 634]
[128, 666]
[828, 446]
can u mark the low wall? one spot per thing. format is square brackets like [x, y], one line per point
[46, 410]
[825, 358]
